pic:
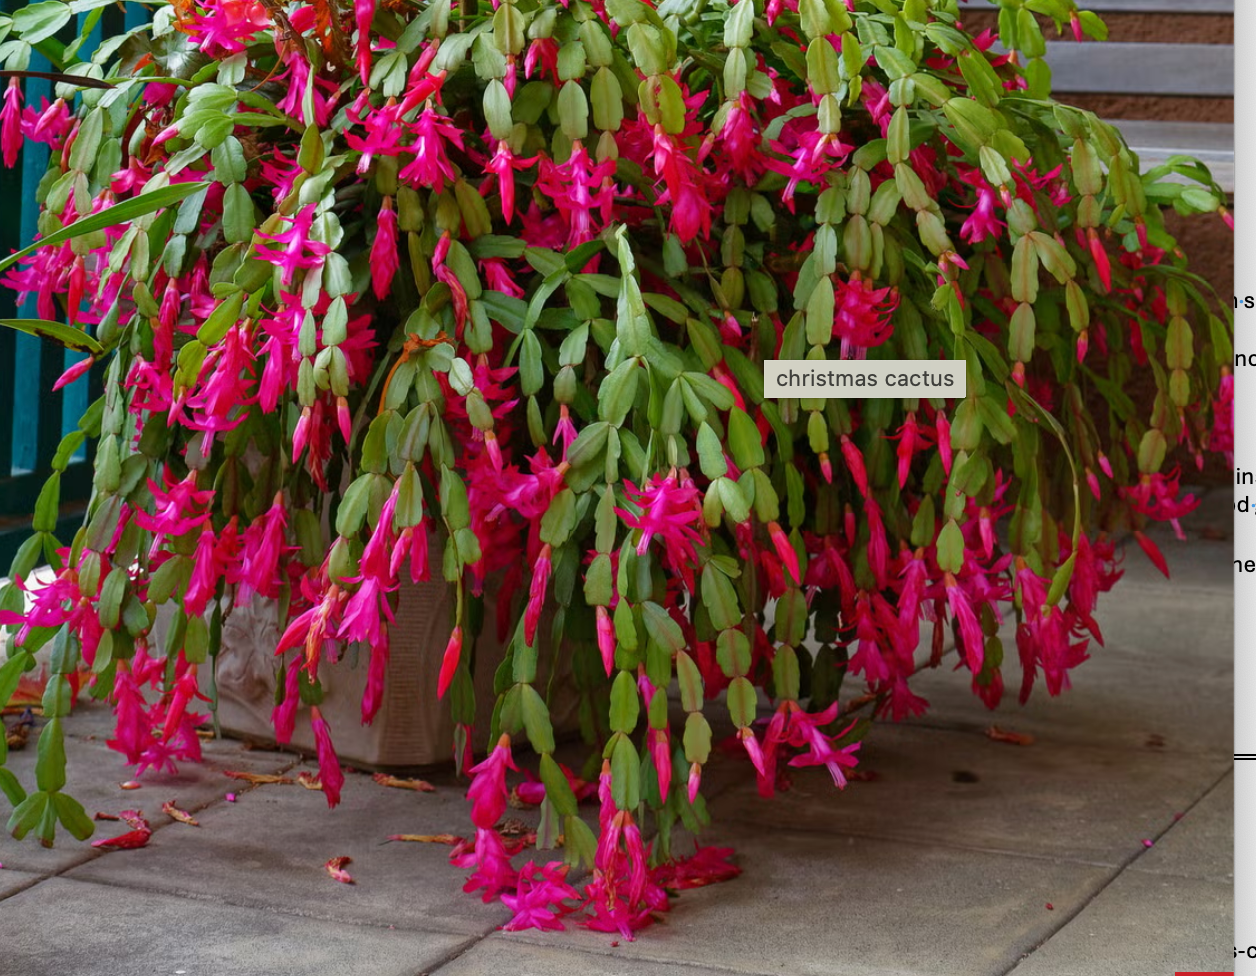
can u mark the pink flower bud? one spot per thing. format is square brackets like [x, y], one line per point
[855, 464]
[302, 433]
[536, 594]
[606, 639]
[785, 549]
[343, 420]
[384, 259]
[453, 651]
[73, 373]
[494, 449]
[661, 754]
[944, 442]
[752, 749]
[1100, 255]
[695, 780]
[11, 123]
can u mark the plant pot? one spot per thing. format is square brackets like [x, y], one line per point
[413, 729]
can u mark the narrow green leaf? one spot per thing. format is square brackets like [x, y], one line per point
[119, 213]
[67, 335]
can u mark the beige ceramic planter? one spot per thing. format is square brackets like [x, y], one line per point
[412, 728]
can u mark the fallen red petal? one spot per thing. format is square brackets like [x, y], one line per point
[335, 868]
[127, 841]
[1013, 738]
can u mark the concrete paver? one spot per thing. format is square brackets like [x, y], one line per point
[1132, 694]
[94, 774]
[1201, 844]
[813, 904]
[72, 928]
[268, 850]
[1143, 923]
[964, 790]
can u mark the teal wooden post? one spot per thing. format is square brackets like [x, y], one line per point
[26, 379]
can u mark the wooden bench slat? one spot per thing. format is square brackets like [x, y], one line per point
[1206, 137]
[1142, 69]
[1159, 6]
[1212, 143]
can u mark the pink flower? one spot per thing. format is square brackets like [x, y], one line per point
[133, 732]
[284, 716]
[487, 792]
[982, 223]
[863, 314]
[185, 689]
[363, 14]
[538, 902]
[1157, 496]
[361, 620]
[226, 28]
[411, 542]
[429, 165]
[578, 188]
[176, 508]
[373, 696]
[805, 731]
[910, 436]
[668, 510]
[385, 133]
[544, 52]
[683, 186]
[300, 250]
[503, 166]
[492, 863]
[263, 547]
[329, 772]
[972, 639]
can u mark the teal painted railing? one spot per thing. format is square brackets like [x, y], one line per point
[33, 419]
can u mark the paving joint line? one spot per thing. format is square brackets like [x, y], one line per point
[1128, 863]
[456, 954]
[620, 957]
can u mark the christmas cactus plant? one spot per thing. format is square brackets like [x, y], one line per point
[410, 289]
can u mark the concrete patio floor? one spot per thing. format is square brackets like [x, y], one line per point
[963, 857]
